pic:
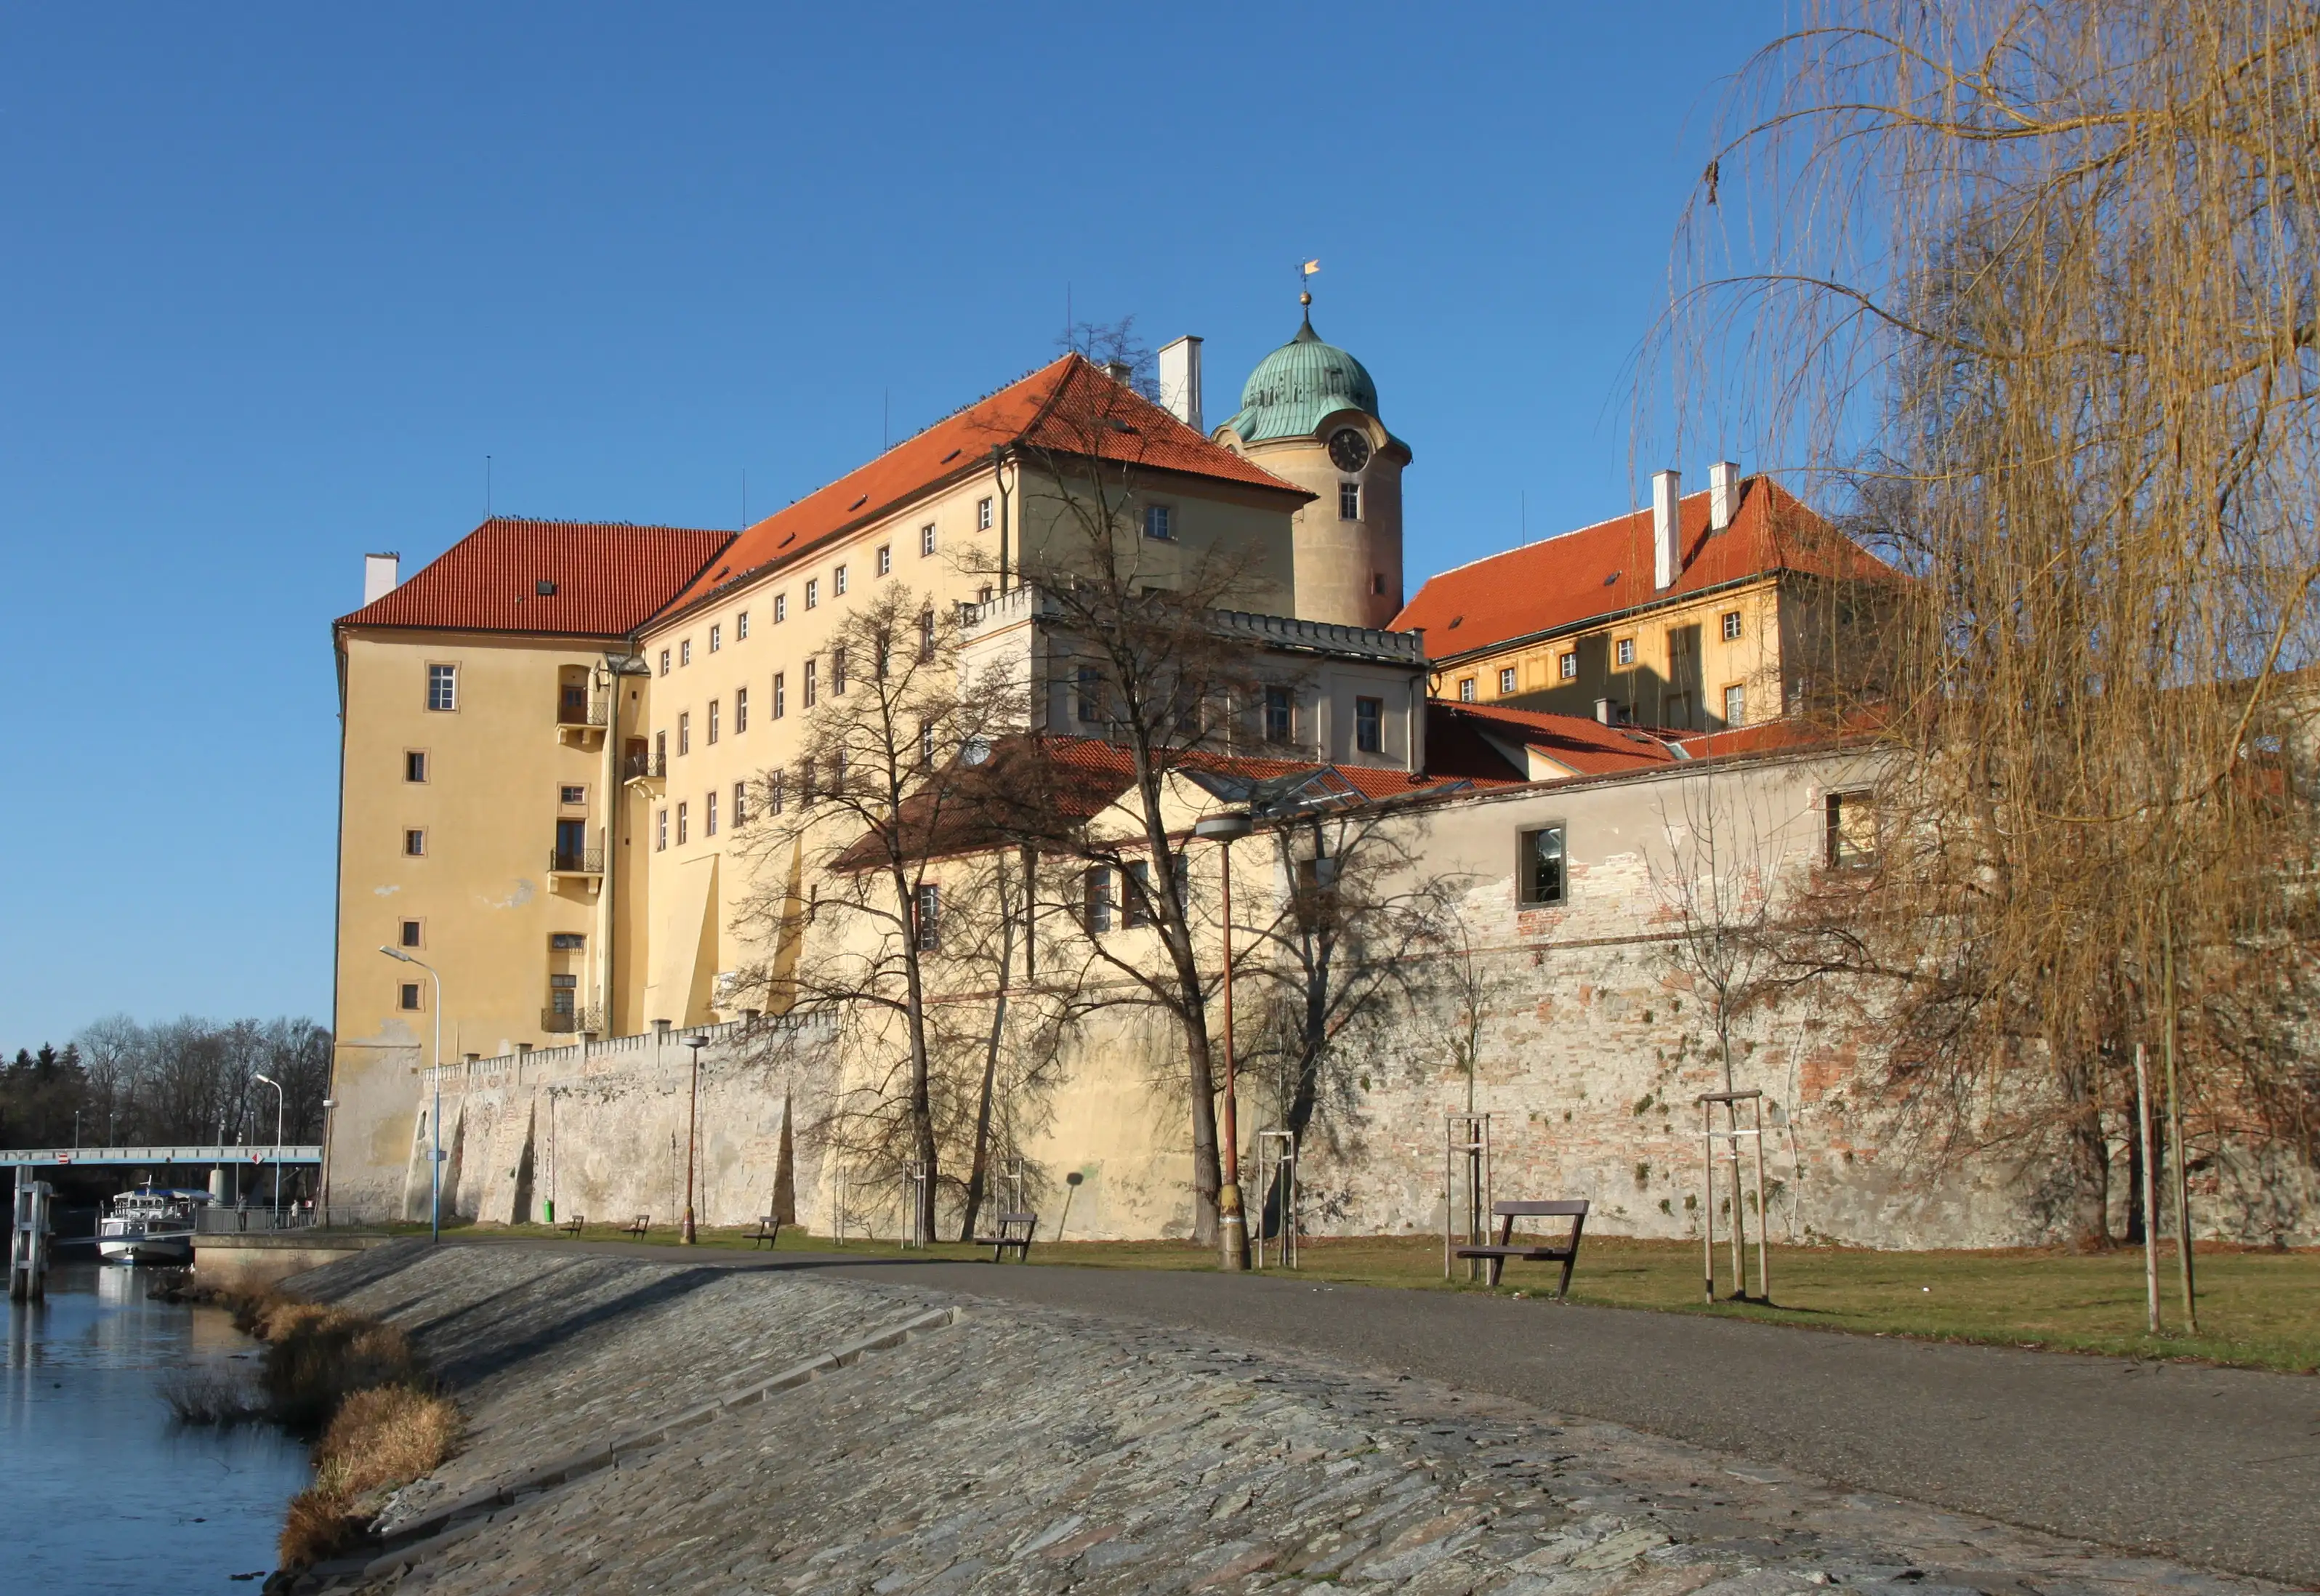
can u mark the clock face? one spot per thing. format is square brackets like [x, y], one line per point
[1349, 449]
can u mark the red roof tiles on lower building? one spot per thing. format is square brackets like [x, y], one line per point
[1579, 745]
[1605, 570]
[553, 579]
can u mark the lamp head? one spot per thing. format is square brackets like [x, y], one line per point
[1228, 826]
[696, 1043]
[397, 953]
[269, 1080]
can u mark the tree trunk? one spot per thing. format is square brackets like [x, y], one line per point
[978, 1170]
[2090, 1158]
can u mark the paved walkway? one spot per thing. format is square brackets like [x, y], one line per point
[2213, 1466]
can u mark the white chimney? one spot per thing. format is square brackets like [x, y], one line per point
[1180, 380]
[1667, 528]
[380, 575]
[1722, 495]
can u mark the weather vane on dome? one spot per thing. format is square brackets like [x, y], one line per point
[1304, 284]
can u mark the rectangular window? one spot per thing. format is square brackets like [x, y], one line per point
[709, 815]
[1159, 522]
[683, 652]
[885, 558]
[664, 662]
[442, 686]
[838, 583]
[716, 716]
[562, 995]
[982, 515]
[660, 830]
[838, 672]
[810, 667]
[813, 592]
[684, 733]
[1280, 715]
[982, 594]
[1377, 583]
[1731, 626]
[930, 918]
[1369, 725]
[414, 764]
[1566, 665]
[566, 941]
[1090, 707]
[926, 540]
[411, 934]
[1135, 896]
[660, 753]
[1539, 866]
[781, 696]
[716, 637]
[1349, 500]
[1465, 689]
[1624, 650]
[926, 635]
[773, 793]
[571, 794]
[741, 626]
[926, 744]
[1851, 830]
[1506, 680]
[1735, 706]
[407, 998]
[740, 804]
[1095, 905]
[741, 711]
[805, 784]
[414, 843]
[684, 823]
[780, 608]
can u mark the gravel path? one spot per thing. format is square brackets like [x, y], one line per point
[1036, 1448]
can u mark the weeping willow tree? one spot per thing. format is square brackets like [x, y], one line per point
[2035, 284]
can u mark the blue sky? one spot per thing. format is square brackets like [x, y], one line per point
[278, 279]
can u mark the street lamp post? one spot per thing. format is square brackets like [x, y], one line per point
[270, 1081]
[329, 1104]
[1231, 1224]
[692, 1124]
[435, 1114]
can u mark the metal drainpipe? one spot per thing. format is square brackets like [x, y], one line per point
[613, 796]
[999, 475]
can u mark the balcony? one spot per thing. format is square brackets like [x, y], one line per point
[581, 724]
[576, 861]
[643, 767]
[566, 1023]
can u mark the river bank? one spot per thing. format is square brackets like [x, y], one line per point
[635, 1425]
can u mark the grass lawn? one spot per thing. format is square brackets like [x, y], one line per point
[2256, 1309]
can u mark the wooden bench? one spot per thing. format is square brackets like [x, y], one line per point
[1541, 1250]
[571, 1226]
[769, 1231]
[636, 1228]
[1015, 1232]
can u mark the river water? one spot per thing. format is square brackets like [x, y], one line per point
[103, 1490]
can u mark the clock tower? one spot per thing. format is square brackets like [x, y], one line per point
[1309, 415]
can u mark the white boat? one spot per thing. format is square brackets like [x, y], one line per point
[149, 1225]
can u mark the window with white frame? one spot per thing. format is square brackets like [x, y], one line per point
[709, 814]
[838, 671]
[781, 696]
[1136, 896]
[813, 592]
[572, 794]
[773, 793]
[684, 652]
[1731, 626]
[714, 716]
[1465, 689]
[664, 662]
[741, 711]
[1160, 522]
[716, 637]
[1566, 665]
[1095, 900]
[442, 686]
[684, 823]
[741, 626]
[885, 558]
[1349, 500]
[1624, 651]
[982, 515]
[810, 671]
[930, 917]
[1736, 705]
[838, 583]
[684, 733]
[926, 540]
[740, 804]
[1506, 679]
[660, 830]
[780, 608]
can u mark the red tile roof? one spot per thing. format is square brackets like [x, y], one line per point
[1606, 568]
[1068, 407]
[609, 578]
[1580, 746]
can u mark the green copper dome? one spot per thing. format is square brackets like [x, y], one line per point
[1299, 384]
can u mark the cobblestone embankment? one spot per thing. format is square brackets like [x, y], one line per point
[1001, 1447]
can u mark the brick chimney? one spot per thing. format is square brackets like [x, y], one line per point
[1667, 528]
[1722, 495]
